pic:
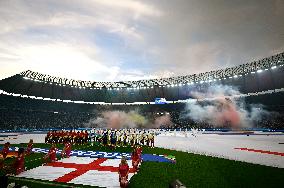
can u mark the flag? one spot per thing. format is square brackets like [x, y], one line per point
[10, 154]
[101, 172]
[108, 155]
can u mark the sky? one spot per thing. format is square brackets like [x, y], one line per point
[117, 40]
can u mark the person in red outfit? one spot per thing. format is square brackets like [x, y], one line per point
[139, 151]
[123, 171]
[74, 136]
[86, 135]
[5, 150]
[81, 137]
[66, 150]
[135, 159]
[51, 154]
[30, 147]
[19, 164]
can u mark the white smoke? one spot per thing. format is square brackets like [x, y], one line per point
[224, 110]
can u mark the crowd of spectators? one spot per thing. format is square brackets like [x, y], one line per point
[22, 113]
[273, 121]
[17, 119]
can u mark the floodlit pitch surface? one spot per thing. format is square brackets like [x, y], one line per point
[257, 149]
[193, 170]
[260, 149]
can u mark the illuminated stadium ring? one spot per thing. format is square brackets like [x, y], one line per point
[143, 103]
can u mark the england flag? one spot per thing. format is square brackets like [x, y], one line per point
[99, 172]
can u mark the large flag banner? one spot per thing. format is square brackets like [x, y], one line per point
[108, 155]
[101, 172]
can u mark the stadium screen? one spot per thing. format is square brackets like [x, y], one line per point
[160, 101]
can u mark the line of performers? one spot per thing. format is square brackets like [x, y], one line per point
[76, 137]
[109, 137]
[18, 166]
[124, 137]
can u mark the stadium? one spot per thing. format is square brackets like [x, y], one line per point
[150, 94]
[33, 104]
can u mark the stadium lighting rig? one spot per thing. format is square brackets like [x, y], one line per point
[173, 82]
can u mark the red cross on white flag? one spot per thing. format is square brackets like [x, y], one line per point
[100, 172]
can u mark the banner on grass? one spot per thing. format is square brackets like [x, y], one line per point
[108, 155]
[101, 172]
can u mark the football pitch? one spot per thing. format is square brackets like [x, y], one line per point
[193, 170]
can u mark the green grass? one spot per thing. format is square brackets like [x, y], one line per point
[191, 169]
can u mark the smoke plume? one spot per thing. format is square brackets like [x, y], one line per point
[121, 119]
[224, 110]
[164, 121]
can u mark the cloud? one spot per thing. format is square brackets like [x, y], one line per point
[122, 40]
[130, 5]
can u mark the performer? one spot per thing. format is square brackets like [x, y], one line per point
[66, 150]
[30, 147]
[56, 137]
[139, 152]
[123, 171]
[81, 137]
[134, 138]
[135, 159]
[74, 137]
[47, 137]
[51, 154]
[147, 139]
[113, 139]
[125, 139]
[104, 139]
[142, 138]
[152, 139]
[19, 164]
[87, 137]
[5, 150]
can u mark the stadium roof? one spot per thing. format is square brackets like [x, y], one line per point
[266, 63]
[262, 76]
